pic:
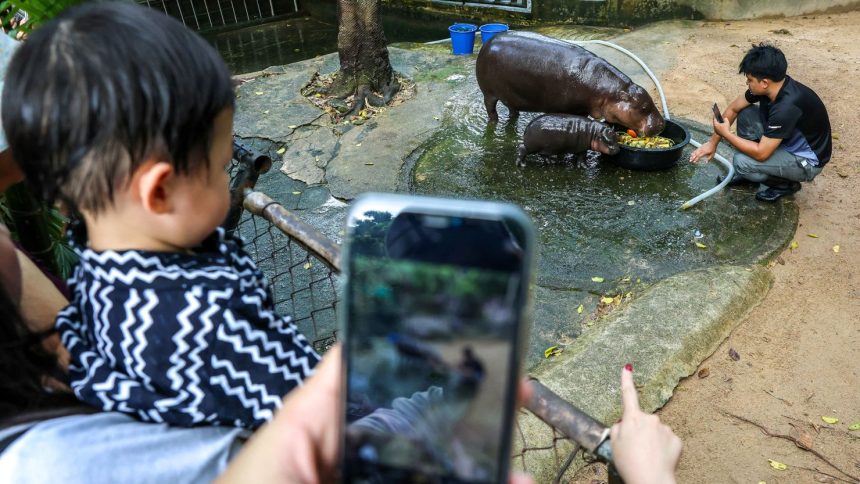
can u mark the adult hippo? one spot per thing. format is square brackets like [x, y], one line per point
[532, 72]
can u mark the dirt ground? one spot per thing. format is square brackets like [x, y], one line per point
[799, 350]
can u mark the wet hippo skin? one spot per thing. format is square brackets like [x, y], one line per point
[557, 134]
[532, 72]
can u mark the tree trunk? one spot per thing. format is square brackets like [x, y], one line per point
[364, 64]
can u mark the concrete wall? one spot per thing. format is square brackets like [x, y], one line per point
[608, 12]
[619, 12]
[744, 9]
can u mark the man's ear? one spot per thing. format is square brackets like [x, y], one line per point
[152, 188]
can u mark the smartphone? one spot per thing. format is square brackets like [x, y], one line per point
[434, 328]
[717, 113]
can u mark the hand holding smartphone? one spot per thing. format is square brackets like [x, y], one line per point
[717, 114]
[434, 324]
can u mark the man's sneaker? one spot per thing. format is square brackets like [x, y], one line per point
[736, 181]
[773, 194]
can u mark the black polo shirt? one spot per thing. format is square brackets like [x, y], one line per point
[799, 119]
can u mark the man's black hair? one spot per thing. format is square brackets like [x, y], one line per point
[764, 61]
[94, 92]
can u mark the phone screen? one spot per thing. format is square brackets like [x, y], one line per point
[717, 113]
[434, 306]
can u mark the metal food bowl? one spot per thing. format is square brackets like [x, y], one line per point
[653, 159]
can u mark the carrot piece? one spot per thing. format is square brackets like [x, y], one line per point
[631, 133]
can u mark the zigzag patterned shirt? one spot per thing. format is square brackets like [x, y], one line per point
[178, 338]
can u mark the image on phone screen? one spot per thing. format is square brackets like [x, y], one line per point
[434, 305]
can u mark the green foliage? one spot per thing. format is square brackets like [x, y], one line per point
[38, 10]
[62, 257]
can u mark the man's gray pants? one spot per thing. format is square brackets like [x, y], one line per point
[781, 163]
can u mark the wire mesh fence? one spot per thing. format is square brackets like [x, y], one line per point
[303, 268]
[303, 285]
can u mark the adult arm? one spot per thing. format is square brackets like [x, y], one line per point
[300, 444]
[39, 304]
[759, 151]
[709, 147]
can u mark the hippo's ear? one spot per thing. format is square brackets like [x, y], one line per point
[609, 136]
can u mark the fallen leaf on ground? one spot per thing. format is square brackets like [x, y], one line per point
[704, 372]
[580, 309]
[854, 426]
[597, 279]
[292, 126]
[734, 354]
[281, 151]
[307, 265]
[701, 245]
[358, 144]
[814, 236]
[626, 279]
[370, 163]
[793, 245]
[802, 438]
[780, 260]
[836, 249]
[297, 193]
[830, 420]
[266, 112]
[777, 465]
[606, 300]
[551, 351]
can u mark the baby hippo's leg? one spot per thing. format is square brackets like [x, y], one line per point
[522, 152]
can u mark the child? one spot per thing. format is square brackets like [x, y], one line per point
[126, 116]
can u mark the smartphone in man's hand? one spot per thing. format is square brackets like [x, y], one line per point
[717, 114]
[434, 325]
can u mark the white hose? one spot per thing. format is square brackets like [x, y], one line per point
[729, 167]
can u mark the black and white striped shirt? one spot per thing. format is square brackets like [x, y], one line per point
[186, 339]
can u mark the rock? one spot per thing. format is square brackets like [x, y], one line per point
[339, 105]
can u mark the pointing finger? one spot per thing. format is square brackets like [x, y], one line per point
[629, 398]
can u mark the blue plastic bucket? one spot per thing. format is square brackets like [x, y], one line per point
[489, 30]
[462, 38]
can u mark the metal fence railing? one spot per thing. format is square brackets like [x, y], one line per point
[211, 14]
[524, 6]
[303, 268]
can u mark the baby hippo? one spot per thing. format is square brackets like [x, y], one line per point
[557, 134]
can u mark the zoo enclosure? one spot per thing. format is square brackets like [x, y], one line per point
[303, 267]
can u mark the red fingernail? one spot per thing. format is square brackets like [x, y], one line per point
[629, 367]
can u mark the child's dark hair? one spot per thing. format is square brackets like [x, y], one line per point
[764, 61]
[102, 87]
